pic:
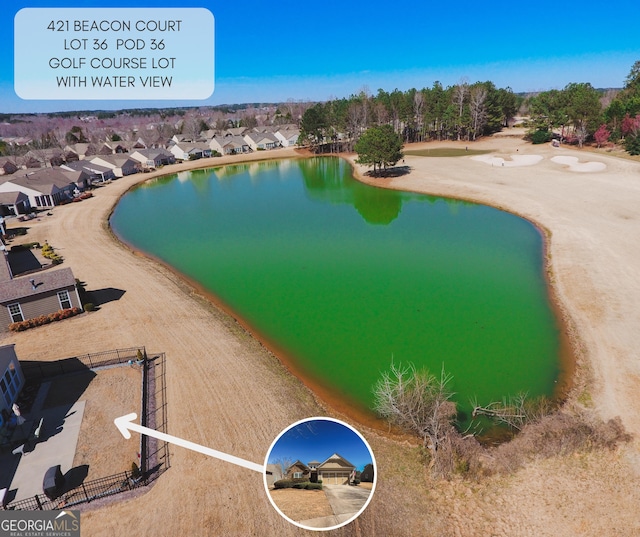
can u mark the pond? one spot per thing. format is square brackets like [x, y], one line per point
[344, 278]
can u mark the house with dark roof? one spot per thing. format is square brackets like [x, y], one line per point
[14, 203]
[8, 166]
[32, 295]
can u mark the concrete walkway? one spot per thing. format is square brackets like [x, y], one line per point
[57, 445]
[346, 503]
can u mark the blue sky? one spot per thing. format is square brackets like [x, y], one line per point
[319, 50]
[318, 439]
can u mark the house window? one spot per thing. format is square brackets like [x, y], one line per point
[15, 311]
[65, 301]
[297, 475]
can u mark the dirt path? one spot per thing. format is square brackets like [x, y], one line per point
[227, 392]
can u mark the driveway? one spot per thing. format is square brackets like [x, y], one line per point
[345, 499]
[346, 502]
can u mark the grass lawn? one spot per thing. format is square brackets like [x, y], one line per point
[446, 152]
[299, 504]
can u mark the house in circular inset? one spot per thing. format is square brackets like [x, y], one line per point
[336, 470]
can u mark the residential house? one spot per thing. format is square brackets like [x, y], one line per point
[182, 139]
[45, 187]
[120, 164]
[236, 131]
[274, 473]
[35, 294]
[288, 138]
[190, 151]
[298, 470]
[112, 148]
[90, 173]
[77, 151]
[261, 141]
[335, 470]
[367, 474]
[42, 158]
[17, 140]
[8, 166]
[13, 203]
[11, 381]
[152, 158]
[229, 145]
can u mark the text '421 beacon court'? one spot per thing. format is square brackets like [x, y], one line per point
[115, 25]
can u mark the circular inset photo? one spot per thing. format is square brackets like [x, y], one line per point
[320, 473]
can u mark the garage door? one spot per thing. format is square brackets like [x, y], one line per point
[335, 478]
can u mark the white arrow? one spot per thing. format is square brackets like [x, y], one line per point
[125, 424]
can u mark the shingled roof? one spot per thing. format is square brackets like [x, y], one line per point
[45, 281]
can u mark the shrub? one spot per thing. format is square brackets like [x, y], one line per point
[314, 486]
[25, 246]
[632, 144]
[89, 306]
[540, 136]
[44, 319]
[283, 484]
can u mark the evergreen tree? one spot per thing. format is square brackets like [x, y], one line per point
[379, 147]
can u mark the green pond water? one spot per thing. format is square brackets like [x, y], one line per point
[345, 277]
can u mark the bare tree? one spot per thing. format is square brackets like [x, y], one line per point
[460, 92]
[478, 109]
[418, 111]
[515, 411]
[417, 402]
[284, 463]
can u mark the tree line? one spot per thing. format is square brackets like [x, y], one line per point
[461, 112]
[582, 113]
[578, 113]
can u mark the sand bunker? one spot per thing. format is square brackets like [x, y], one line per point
[576, 166]
[516, 160]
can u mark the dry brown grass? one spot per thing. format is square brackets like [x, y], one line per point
[108, 394]
[301, 504]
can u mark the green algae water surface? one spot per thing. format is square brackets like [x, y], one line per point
[345, 277]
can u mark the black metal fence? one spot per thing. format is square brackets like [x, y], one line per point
[87, 492]
[154, 452]
[40, 370]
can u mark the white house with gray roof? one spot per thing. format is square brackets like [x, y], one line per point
[288, 138]
[229, 145]
[46, 187]
[120, 164]
[257, 140]
[152, 158]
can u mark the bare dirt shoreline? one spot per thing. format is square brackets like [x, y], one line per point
[226, 391]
